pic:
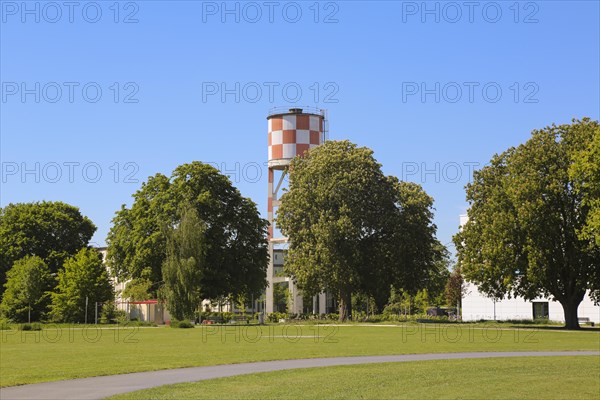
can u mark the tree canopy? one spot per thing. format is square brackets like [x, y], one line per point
[585, 173]
[235, 235]
[52, 231]
[352, 229]
[83, 276]
[26, 297]
[527, 220]
[183, 268]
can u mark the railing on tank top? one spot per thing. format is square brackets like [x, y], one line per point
[304, 110]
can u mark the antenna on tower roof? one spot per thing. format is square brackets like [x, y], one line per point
[325, 125]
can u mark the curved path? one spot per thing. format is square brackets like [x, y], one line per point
[104, 386]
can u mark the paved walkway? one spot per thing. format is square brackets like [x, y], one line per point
[104, 386]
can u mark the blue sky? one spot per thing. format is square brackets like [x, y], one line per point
[435, 89]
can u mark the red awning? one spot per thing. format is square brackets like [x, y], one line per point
[144, 302]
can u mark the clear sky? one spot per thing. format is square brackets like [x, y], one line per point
[434, 88]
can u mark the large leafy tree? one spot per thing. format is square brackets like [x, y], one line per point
[52, 231]
[407, 253]
[418, 260]
[351, 228]
[526, 218]
[235, 235]
[585, 173]
[26, 296]
[84, 276]
[184, 265]
[136, 244]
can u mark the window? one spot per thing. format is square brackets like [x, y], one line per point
[540, 310]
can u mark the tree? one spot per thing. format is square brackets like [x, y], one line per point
[281, 297]
[137, 289]
[421, 260]
[413, 259]
[235, 235]
[82, 282]
[585, 173]
[351, 228]
[52, 231]
[183, 268]
[136, 243]
[363, 303]
[439, 274]
[398, 303]
[526, 215]
[455, 288]
[26, 296]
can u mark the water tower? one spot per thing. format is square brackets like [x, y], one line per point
[291, 132]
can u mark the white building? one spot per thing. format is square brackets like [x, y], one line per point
[476, 305]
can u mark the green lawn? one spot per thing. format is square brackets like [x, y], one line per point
[55, 354]
[509, 378]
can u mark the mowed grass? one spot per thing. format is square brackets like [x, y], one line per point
[507, 378]
[67, 353]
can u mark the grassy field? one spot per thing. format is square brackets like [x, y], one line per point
[66, 353]
[522, 378]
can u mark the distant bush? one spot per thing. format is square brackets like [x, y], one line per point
[227, 316]
[181, 324]
[332, 316]
[276, 316]
[4, 325]
[538, 321]
[358, 316]
[375, 318]
[402, 318]
[110, 314]
[30, 327]
[138, 323]
[218, 317]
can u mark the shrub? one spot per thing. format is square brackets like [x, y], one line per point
[30, 327]
[181, 324]
[110, 314]
[227, 316]
[537, 321]
[301, 317]
[121, 316]
[138, 323]
[219, 317]
[276, 316]
[376, 318]
[332, 316]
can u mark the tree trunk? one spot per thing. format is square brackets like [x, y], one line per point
[345, 306]
[380, 304]
[571, 318]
